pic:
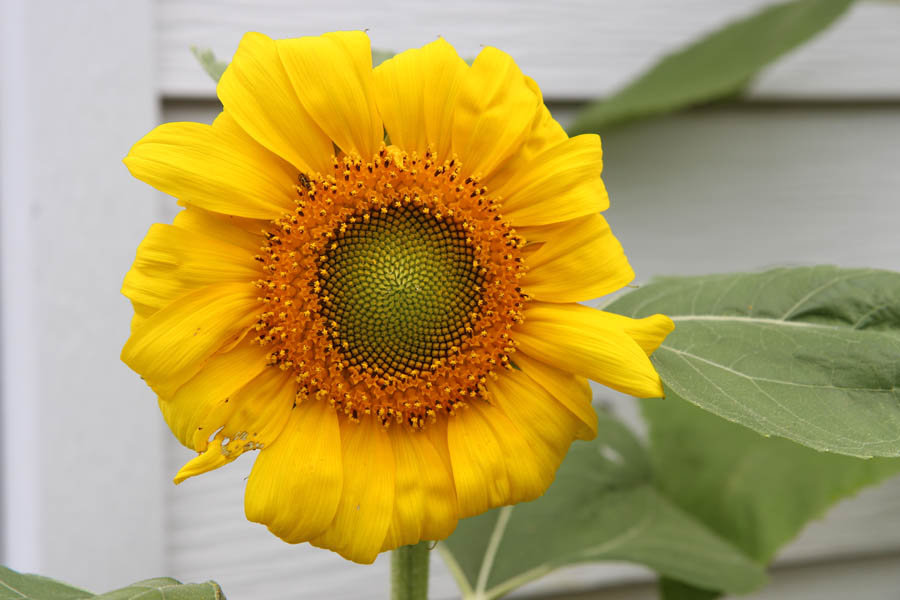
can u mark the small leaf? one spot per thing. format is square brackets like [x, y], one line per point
[756, 492]
[165, 588]
[717, 66]
[602, 506]
[809, 354]
[23, 586]
[214, 68]
[379, 56]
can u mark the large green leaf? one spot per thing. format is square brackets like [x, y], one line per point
[671, 589]
[717, 66]
[756, 492]
[165, 588]
[19, 586]
[23, 586]
[602, 506]
[811, 354]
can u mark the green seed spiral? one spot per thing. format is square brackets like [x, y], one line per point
[402, 287]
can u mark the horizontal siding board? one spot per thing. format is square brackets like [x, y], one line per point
[575, 49]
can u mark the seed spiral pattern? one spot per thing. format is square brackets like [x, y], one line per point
[402, 289]
[391, 288]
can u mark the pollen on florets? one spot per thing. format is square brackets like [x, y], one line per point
[391, 288]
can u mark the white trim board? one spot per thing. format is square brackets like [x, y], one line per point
[81, 435]
[574, 49]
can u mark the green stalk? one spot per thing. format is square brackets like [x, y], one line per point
[409, 572]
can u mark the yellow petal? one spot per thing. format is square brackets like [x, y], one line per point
[444, 76]
[332, 76]
[367, 500]
[547, 426]
[545, 131]
[479, 463]
[226, 123]
[172, 261]
[237, 231]
[494, 112]
[493, 463]
[211, 459]
[648, 332]
[586, 341]
[193, 409]
[559, 184]
[579, 260]
[213, 169]
[570, 390]
[529, 472]
[543, 134]
[425, 497]
[399, 94]
[437, 434]
[259, 411]
[297, 480]
[256, 91]
[416, 91]
[170, 347]
[141, 312]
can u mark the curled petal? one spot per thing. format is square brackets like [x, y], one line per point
[592, 343]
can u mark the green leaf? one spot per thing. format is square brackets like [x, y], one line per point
[602, 506]
[379, 56]
[214, 68]
[756, 492]
[19, 586]
[717, 66]
[810, 354]
[670, 589]
[166, 588]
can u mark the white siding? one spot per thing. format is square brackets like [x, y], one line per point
[575, 49]
[82, 439]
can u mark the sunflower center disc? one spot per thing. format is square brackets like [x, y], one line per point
[391, 289]
[402, 288]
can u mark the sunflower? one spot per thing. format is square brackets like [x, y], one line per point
[374, 282]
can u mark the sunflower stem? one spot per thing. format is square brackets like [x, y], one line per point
[409, 572]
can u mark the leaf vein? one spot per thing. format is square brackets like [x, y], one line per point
[815, 291]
